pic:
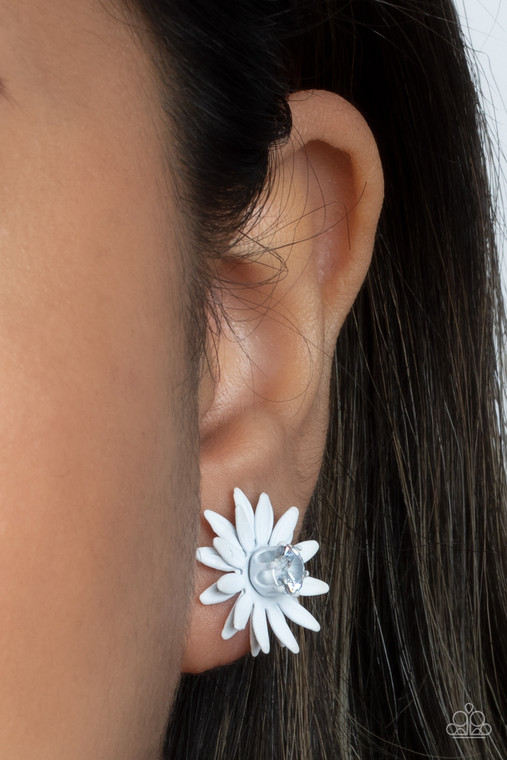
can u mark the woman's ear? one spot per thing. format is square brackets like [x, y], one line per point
[264, 412]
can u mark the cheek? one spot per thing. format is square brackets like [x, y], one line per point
[97, 472]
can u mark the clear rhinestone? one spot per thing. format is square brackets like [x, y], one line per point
[289, 570]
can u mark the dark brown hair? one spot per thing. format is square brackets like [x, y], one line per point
[410, 507]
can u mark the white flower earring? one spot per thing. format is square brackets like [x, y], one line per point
[267, 571]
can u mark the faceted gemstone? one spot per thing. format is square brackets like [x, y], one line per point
[289, 570]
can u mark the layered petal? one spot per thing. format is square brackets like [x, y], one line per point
[254, 644]
[242, 610]
[231, 583]
[212, 595]
[210, 557]
[292, 609]
[244, 521]
[281, 629]
[260, 626]
[307, 549]
[313, 587]
[232, 554]
[228, 630]
[222, 527]
[264, 519]
[284, 528]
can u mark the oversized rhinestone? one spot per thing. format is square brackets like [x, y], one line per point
[289, 570]
[276, 570]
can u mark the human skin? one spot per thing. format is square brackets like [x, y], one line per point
[103, 466]
[98, 478]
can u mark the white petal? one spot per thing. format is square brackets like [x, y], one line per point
[263, 520]
[228, 630]
[213, 596]
[307, 549]
[260, 626]
[242, 610]
[297, 613]
[242, 501]
[254, 644]
[313, 587]
[284, 529]
[222, 527]
[235, 556]
[210, 557]
[231, 583]
[280, 628]
[244, 521]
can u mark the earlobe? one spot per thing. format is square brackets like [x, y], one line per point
[265, 415]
